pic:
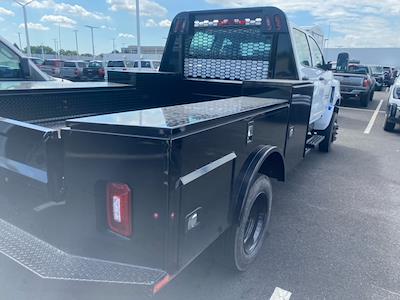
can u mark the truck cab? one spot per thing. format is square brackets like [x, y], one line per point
[15, 66]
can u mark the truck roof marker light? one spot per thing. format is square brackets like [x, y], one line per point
[228, 22]
[162, 283]
[278, 22]
[119, 208]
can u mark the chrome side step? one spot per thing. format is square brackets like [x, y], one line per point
[49, 262]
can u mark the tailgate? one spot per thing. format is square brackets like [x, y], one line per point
[31, 153]
[350, 80]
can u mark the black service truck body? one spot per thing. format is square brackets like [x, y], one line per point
[128, 183]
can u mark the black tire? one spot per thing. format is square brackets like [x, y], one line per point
[364, 99]
[371, 96]
[389, 126]
[329, 133]
[244, 240]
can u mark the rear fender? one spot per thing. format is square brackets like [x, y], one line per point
[265, 159]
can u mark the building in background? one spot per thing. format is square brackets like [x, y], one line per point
[371, 56]
[153, 50]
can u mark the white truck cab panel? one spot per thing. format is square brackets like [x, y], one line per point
[311, 66]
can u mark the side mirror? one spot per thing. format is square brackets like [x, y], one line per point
[342, 62]
[327, 66]
[25, 67]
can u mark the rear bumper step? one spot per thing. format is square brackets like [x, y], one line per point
[49, 262]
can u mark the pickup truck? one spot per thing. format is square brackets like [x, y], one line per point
[393, 109]
[72, 69]
[356, 81]
[129, 183]
[95, 71]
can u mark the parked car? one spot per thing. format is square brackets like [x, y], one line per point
[379, 75]
[357, 82]
[393, 109]
[37, 61]
[94, 71]
[148, 64]
[14, 65]
[52, 67]
[120, 65]
[72, 69]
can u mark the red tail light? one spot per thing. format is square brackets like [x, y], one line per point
[366, 83]
[101, 72]
[119, 208]
[77, 71]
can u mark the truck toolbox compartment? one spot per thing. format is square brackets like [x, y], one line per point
[31, 115]
[202, 143]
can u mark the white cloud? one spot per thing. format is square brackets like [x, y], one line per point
[108, 28]
[165, 23]
[126, 35]
[151, 23]
[66, 8]
[34, 26]
[59, 20]
[147, 7]
[6, 12]
[357, 23]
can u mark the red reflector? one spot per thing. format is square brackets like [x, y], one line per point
[159, 285]
[119, 208]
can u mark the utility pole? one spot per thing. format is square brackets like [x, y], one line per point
[91, 29]
[76, 41]
[139, 47]
[20, 43]
[28, 44]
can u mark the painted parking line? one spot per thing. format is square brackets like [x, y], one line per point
[373, 118]
[360, 109]
[280, 294]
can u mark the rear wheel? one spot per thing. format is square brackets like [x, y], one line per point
[364, 99]
[244, 241]
[371, 97]
[389, 125]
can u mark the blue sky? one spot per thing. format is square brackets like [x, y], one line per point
[359, 23]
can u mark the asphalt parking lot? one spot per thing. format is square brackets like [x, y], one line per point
[334, 232]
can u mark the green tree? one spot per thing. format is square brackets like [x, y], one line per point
[38, 50]
[68, 52]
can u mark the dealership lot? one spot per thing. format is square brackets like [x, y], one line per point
[334, 231]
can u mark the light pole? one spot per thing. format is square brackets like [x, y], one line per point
[91, 29]
[42, 51]
[59, 40]
[24, 5]
[139, 47]
[55, 46]
[113, 40]
[76, 41]
[20, 43]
